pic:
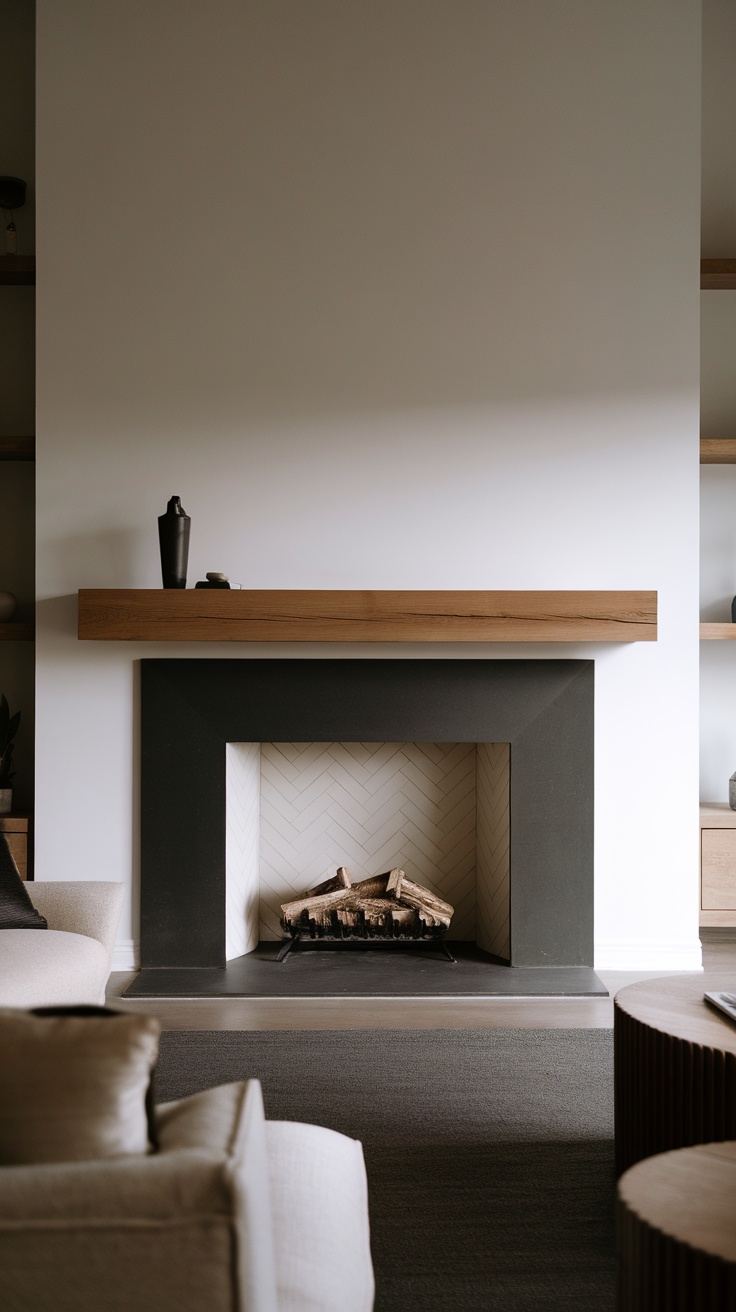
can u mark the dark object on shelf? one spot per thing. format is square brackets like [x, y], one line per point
[12, 193]
[214, 581]
[173, 537]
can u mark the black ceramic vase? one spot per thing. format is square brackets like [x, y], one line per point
[173, 537]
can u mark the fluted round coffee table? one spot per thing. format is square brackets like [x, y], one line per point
[675, 1231]
[675, 1066]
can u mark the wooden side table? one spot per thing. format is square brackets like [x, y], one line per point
[675, 1232]
[18, 830]
[675, 1066]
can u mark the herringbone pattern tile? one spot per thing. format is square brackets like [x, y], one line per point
[369, 806]
[493, 775]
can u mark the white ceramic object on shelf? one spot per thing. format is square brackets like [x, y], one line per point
[7, 606]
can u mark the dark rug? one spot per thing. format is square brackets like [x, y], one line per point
[489, 1152]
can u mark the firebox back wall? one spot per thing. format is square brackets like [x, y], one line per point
[296, 811]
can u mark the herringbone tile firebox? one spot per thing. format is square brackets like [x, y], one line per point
[297, 811]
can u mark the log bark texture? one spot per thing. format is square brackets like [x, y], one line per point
[383, 906]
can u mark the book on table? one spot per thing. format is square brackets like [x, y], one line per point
[725, 1002]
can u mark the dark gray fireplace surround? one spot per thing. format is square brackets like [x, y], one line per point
[190, 710]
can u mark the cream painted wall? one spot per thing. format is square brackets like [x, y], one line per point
[392, 296]
[718, 401]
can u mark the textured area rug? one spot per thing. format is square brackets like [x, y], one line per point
[489, 1152]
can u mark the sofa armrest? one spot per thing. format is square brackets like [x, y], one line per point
[150, 1233]
[90, 907]
[182, 1229]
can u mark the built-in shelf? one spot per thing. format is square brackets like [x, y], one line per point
[17, 270]
[17, 632]
[719, 630]
[213, 615]
[18, 448]
[718, 275]
[718, 450]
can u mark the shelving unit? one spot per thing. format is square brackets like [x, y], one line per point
[718, 275]
[17, 409]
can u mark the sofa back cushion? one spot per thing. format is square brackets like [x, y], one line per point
[16, 909]
[74, 1084]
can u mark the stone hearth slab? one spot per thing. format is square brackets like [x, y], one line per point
[366, 971]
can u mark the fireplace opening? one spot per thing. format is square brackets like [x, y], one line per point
[297, 812]
[256, 779]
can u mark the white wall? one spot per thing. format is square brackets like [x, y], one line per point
[392, 296]
[718, 400]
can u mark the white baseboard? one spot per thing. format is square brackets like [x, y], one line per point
[648, 956]
[125, 955]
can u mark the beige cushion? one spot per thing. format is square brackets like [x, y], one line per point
[49, 967]
[186, 1229]
[74, 1088]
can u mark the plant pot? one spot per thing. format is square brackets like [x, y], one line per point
[6, 801]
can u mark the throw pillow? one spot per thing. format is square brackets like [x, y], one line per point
[74, 1084]
[16, 909]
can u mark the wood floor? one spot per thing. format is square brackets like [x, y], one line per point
[404, 1013]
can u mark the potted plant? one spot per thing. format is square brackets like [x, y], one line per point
[8, 729]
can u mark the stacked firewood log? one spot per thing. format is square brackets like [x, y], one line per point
[383, 906]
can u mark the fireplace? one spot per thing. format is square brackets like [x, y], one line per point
[193, 712]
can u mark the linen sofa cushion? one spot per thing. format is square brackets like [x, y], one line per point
[73, 1088]
[16, 909]
[55, 967]
[229, 1121]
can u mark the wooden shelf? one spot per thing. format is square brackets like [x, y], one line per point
[718, 450]
[17, 270]
[18, 448]
[717, 275]
[717, 815]
[720, 630]
[204, 615]
[11, 632]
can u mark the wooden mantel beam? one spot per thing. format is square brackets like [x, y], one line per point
[219, 615]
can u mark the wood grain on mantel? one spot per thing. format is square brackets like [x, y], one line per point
[215, 615]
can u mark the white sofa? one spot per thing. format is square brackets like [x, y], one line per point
[70, 961]
[233, 1214]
